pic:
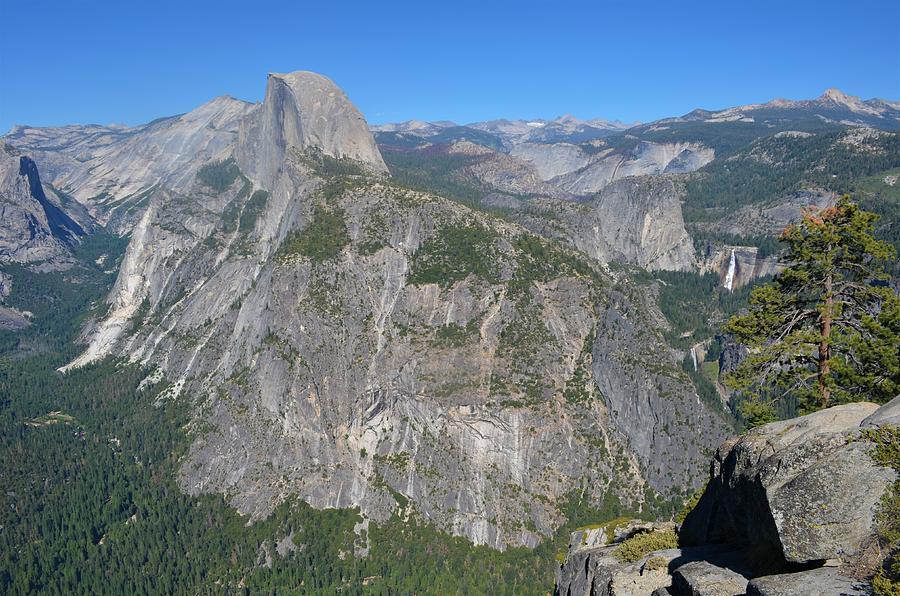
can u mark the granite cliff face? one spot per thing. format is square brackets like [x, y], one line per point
[114, 170]
[357, 343]
[303, 109]
[36, 224]
[501, 172]
[645, 158]
[636, 220]
[738, 266]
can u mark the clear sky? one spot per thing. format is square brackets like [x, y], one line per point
[130, 61]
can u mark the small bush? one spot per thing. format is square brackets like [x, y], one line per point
[655, 563]
[886, 452]
[640, 544]
[454, 335]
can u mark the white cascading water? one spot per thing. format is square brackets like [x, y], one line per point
[694, 357]
[729, 277]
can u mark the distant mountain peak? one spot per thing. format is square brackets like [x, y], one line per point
[837, 96]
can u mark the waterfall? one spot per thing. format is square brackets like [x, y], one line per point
[729, 277]
[694, 357]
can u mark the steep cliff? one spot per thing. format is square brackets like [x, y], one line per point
[644, 159]
[737, 266]
[36, 225]
[358, 343]
[637, 221]
[303, 109]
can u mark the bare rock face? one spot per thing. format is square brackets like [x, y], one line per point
[500, 171]
[791, 506]
[702, 578]
[346, 379]
[591, 569]
[815, 582]
[551, 160]
[638, 221]
[803, 490]
[303, 109]
[745, 266]
[889, 413]
[35, 225]
[645, 159]
[114, 170]
[771, 219]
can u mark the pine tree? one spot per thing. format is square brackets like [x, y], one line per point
[827, 329]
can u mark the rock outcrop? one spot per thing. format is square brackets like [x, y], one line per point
[815, 582]
[702, 578]
[639, 221]
[746, 265]
[804, 489]
[791, 508]
[772, 218]
[645, 158]
[552, 160]
[501, 172]
[36, 225]
[303, 109]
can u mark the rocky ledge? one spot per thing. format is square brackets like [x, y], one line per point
[792, 508]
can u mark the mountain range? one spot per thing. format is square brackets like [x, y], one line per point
[477, 319]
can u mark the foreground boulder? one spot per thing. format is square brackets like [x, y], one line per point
[815, 582]
[702, 578]
[791, 508]
[800, 490]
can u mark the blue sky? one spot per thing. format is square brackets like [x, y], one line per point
[131, 61]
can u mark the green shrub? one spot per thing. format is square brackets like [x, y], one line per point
[654, 563]
[454, 335]
[886, 452]
[639, 545]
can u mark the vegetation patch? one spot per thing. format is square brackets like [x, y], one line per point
[772, 167]
[537, 260]
[219, 175]
[254, 207]
[454, 335]
[50, 419]
[454, 253]
[640, 545]
[656, 563]
[886, 452]
[323, 238]
[688, 507]
[580, 386]
[329, 166]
